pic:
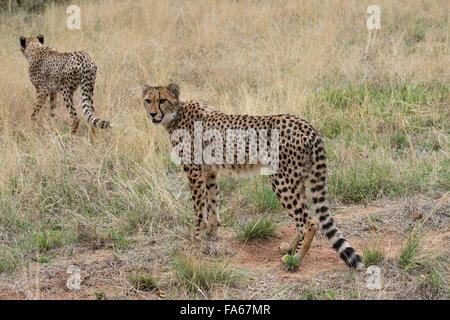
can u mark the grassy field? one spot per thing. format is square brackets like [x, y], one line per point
[118, 208]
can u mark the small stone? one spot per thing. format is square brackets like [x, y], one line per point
[416, 215]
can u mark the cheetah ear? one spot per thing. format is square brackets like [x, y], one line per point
[145, 89]
[23, 41]
[40, 38]
[174, 89]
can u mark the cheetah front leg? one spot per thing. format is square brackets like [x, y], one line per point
[198, 189]
[40, 101]
[212, 200]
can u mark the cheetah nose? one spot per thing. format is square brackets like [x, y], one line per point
[152, 114]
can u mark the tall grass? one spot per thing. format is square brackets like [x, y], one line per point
[258, 228]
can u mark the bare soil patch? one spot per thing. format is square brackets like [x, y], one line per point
[104, 272]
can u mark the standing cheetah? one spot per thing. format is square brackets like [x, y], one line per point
[51, 72]
[299, 155]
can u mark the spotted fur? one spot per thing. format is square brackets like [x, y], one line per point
[302, 164]
[51, 72]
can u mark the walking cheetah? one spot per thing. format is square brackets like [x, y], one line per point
[299, 154]
[51, 72]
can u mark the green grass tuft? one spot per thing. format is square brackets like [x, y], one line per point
[291, 261]
[100, 294]
[260, 195]
[7, 265]
[197, 274]
[259, 228]
[143, 282]
[46, 239]
[372, 256]
[411, 254]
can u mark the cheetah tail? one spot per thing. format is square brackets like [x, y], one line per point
[317, 183]
[87, 90]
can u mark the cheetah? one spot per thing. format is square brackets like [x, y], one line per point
[51, 71]
[299, 156]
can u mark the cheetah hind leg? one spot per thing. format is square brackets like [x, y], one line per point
[75, 124]
[303, 250]
[212, 230]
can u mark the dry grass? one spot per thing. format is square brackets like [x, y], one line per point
[384, 115]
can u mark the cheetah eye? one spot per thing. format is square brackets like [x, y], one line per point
[148, 101]
[162, 101]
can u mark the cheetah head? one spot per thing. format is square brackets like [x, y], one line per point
[27, 44]
[161, 103]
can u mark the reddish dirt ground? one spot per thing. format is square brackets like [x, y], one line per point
[105, 271]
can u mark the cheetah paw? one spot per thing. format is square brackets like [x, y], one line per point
[284, 248]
